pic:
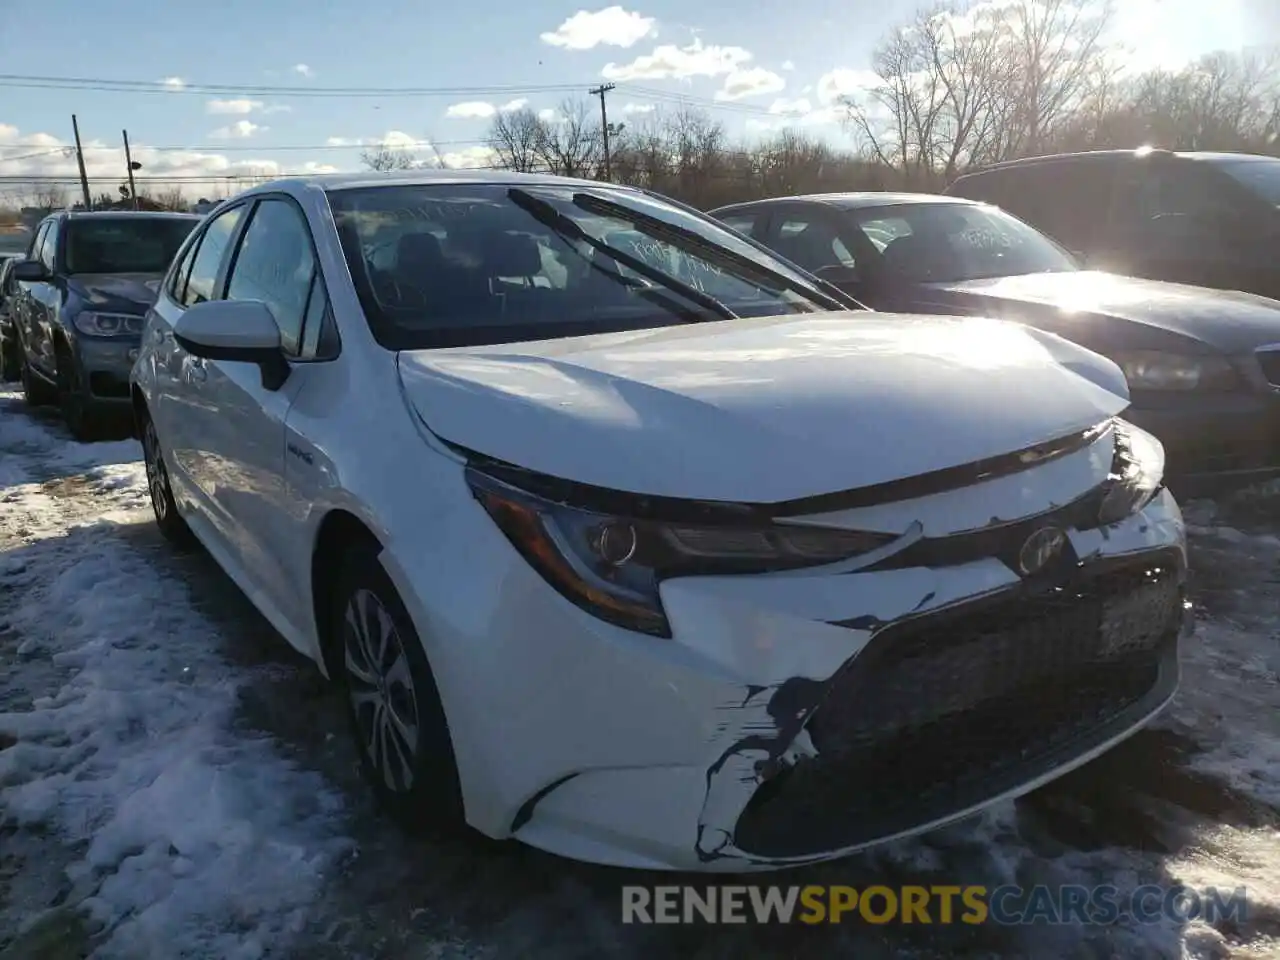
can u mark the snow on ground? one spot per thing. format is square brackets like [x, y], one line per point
[191, 838]
[185, 799]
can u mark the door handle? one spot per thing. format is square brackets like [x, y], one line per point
[196, 373]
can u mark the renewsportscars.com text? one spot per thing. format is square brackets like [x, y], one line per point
[939, 904]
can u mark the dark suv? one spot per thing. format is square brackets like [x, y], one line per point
[81, 295]
[1209, 219]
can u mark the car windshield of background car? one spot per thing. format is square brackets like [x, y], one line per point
[124, 245]
[1260, 177]
[951, 243]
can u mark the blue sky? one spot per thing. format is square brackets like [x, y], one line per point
[771, 57]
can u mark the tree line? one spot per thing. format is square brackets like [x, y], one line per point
[959, 85]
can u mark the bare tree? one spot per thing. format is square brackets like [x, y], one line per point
[1058, 55]
[172, 198]
[980, 81]
[49, 197]
[518, 138]
[384, 158]
[572, 145]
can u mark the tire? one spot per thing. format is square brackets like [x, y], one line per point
[35, 391]
[409, 764]
[172, 526]
[78, 414]
[10, 360]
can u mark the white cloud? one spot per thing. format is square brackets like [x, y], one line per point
[239, 130]
[482, 109]
[173, 83]
[791, 107]
[669, 62]
[843, 82]
[303, 70]
[548, 115]
[470, 158]
[788, 65]
[612, 26]
[751, 82]
[197, 173]
[471, 110]
[391, 140]
[631, 109]
[234, 106]
[794, 114]
[397, 140]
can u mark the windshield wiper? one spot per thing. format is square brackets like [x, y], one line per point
[563, 224]
[687, 240]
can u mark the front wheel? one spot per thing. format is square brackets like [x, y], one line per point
[81, 419]
[35, 391]
[393, 704]
[10, 360]
[171, 524]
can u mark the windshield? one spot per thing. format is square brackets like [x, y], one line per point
[1259, 177]
[952, 242]
[466, 264]
[124, 244]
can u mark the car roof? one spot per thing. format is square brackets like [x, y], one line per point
[130, 214]
[1098, 156]
[434, 177]
[1210, 156]
[853, 201]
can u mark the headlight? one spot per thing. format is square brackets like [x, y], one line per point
[611, 565]
[1137, 473]
[108, 324]
[1155, 370]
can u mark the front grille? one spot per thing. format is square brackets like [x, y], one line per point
[1269, 360]
[108, 385]
[943, 712]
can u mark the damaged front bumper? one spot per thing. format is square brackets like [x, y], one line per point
[800, 716]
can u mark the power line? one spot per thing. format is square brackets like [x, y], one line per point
[266, 148]
[41, 153]
[153, 86]
[265, 90]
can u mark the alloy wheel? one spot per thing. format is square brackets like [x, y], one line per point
[157, 475]
[380, 685]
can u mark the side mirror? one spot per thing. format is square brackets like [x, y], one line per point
[237, 331]
[32, 271]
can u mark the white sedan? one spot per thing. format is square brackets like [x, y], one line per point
[629, 540]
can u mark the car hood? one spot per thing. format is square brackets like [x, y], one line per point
[1227, 321]
[763, 410]
[127, 292]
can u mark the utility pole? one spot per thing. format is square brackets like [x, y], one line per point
[128, 162]
[84, 178]
[600, 91]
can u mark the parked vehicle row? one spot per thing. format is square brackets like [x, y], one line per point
[1209, 219]
[1203, 365]
[77, 308]
[633, 534]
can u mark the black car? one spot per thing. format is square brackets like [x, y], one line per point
[9, 364]
[1205, 218]
[82, 294]
[1203, 365]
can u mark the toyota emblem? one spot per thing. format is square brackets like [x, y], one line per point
[1040, 549]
